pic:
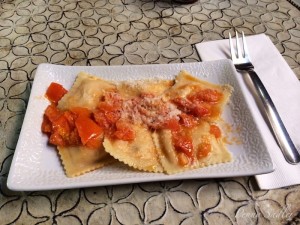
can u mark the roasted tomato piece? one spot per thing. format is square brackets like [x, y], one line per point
[81, 111]
[183, 159]
[197, 108]
[95, 142]
[105, 106]
[209, 95]
[61, 126]
[71, 117]
[183, 104]
[60, 132]
[203, 150]
[87, 129]
[55, 92]
[110, 111]
[201, 109]
[187, 120]
[215, 130]
[206, 95]
[124, 131]
[100, 119]
[52, 113]
[73, 138]
[57, 139]
[112, 117]
[172, 124]
[183, 143]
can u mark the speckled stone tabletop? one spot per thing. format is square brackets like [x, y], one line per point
[119, 32]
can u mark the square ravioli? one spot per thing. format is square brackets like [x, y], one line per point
[161, 126]
[85, 92]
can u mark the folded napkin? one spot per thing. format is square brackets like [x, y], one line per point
[284, 89]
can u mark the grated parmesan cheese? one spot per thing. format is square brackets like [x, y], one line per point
[146, 108]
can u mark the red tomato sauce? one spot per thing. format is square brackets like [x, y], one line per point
[81, 126]
[183, 144]
[203, 150]
[215, 130]
[200, 104]
[55, 92]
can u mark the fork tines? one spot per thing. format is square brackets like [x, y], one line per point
[238, 54]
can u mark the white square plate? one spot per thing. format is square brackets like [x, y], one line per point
[36, 165]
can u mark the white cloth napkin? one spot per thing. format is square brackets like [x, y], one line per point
[284, 89]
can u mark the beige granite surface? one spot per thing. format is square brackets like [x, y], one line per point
[119, 32]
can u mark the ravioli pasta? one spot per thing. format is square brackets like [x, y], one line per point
[161, 126]
[85, 92]
[200, 134]
[141, 152]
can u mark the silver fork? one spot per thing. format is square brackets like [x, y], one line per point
[242, 62]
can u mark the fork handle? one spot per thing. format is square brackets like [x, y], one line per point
[283, 139]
